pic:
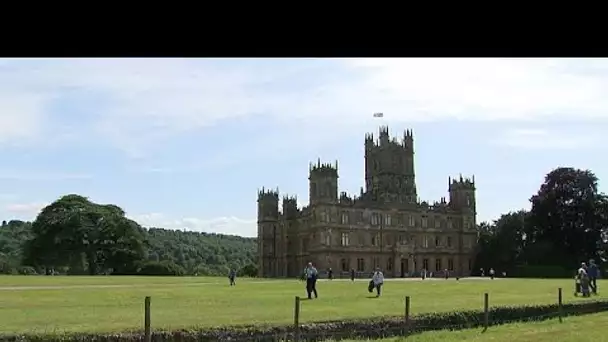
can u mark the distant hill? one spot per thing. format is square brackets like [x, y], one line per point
[196, 253]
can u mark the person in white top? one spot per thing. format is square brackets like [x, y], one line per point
[582, 270]
[378, 279]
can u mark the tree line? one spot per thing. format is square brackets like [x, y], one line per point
[567, 224]
[76, 236]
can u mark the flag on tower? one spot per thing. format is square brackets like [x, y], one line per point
[378, 115]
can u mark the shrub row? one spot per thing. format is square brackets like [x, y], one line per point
[349, 329]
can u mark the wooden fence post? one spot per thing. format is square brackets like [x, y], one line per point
[559, 304]
[296, 320]
[486, 311]
[407, 311]
[147, 330]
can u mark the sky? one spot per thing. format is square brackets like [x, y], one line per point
[186, 143]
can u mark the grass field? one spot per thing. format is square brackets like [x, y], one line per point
[586, 328]
[108, 304]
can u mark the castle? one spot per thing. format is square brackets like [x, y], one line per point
[385, 226]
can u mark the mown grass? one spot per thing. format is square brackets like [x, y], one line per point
[588, 328]
[83, 304]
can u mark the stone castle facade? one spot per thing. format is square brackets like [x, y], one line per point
[384, 226]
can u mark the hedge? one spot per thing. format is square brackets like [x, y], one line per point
[349, 329]
[542, 271]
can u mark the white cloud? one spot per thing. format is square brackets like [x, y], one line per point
[21, 115]
[222, 225]
[148, 100]
[26, 210]
[482, 89]
[544, 139]
[41, 176]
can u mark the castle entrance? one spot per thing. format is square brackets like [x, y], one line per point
[405, 267]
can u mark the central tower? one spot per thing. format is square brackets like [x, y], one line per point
[389, 167]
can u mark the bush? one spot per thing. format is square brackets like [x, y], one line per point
[373, 328]
[249, 270]
[163, 268]
[27, 270]
[540, 271]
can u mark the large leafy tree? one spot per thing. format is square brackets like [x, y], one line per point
[74, 231]
[567, 219]
[501, 243]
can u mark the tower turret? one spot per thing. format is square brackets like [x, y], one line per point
[462, 193]
[290, 207]
[389, 167]
[323, 183]
[268, 205]
[268, 232]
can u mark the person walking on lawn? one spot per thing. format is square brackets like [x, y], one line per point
[593, 273]
[378, 279]
[310, 272]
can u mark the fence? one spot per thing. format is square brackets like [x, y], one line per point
[384, 327]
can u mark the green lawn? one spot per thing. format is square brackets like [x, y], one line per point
[30, 304]
[588, 328]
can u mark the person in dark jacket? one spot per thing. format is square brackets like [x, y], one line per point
[330, 274]
[593, 273]
[232, 276]
[352, 274]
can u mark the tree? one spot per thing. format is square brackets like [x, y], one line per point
[73, 230]
[501, 243]
[69, 237]
[567, 219]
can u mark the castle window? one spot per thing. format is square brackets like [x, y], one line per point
[389, 264]
[375, 220]
[402, 239]
[411, 220]
[360, 264]
[344, 218]
[449, 241]
[323, 216]
[449, 223]
[425, 264]
[387, 220]
[376, 239]
[345, 239]
[450, 264]
[438, 264]
[360, 216]
[424, 222]
[328, 239]
[437, 222]
[437, 241]
[344, 264]
[425, 241]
